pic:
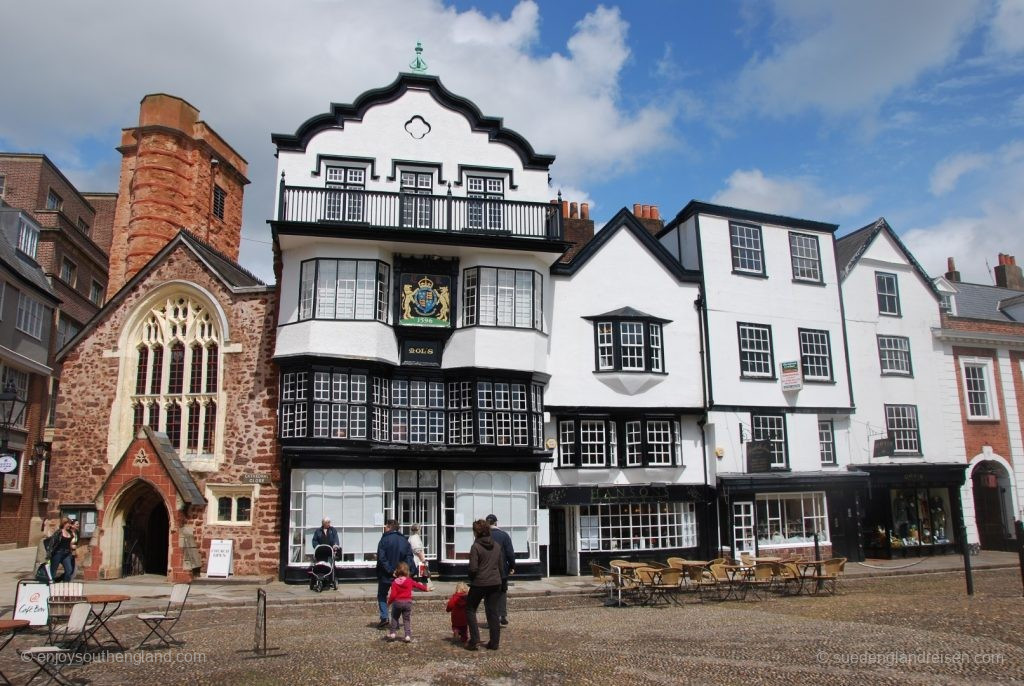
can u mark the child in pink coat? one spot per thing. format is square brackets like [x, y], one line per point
[400, 600]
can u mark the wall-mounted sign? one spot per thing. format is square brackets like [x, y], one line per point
[791, 378]
[262, 478]
[425, 300]
[759, 457]
[8, 464]
[884, 447]
[426, 353]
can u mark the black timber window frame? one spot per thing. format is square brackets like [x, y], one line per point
[746, 244]
[312, 302]
[489, 307]
[416, 198]
[613, 349]
[484, 207]
[893, 354]
[771, 427]
[625, 441]
[805, 257]
[346, 193]
[751, 356]
[816, 354]
[827, 442]
[887, 290]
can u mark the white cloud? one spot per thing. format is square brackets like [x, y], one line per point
[1007, 29]
[846, 57]
[254, 67]
[793, 196]
[974, 237]
[948, 172]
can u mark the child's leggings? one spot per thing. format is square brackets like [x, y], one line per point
[403, 609]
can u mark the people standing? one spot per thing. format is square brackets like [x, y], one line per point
[60, 551]
[504, 541]
[457, 607]
[76, 528]
[400, 600]
[485, 562]
[392, 549]
[418, 554]
[326, 535]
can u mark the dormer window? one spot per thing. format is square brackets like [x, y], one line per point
[28, 238]
[628, 340]
[484, 210]
[347, 201]
[417, 207]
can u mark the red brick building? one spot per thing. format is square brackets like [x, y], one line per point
[67, 233]
[165, 429]
[983, 329]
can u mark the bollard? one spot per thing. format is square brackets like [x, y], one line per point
[817, 558]
[967, 560]
[1018, 529]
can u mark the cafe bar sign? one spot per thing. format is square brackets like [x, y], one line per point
[422, 352]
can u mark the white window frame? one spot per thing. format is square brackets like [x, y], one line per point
[984, 376]
[759, 363]
[615, 527]
[768, 427]
[816, 354]
[31, 313]
[512, 496]
[593, 443]
[894, 357]
[805, 257]
[28, 238]
[215, 492]
[54, 201]
[904, 428]
[68, 271]
[746, 246]
[827, 442]
[884, 295]
[813, 510]
[96, 293]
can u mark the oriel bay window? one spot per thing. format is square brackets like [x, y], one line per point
[637, 526]
[633, 345]
[344, 289]
[622, 442]
[493, 296]
[410, 409]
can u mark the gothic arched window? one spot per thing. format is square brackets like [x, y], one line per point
[176, 373]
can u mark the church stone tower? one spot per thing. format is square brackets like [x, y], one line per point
[176, 173]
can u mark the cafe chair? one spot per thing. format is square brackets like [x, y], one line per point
[69, 642]
[762, 581]
[64, 595]
[603, 580]
[828, 579]
[162, 623]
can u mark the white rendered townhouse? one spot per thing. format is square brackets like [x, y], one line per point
[777, 384]
[905, 433]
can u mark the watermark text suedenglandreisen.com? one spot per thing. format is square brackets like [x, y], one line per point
[128, 658]
[895, 658]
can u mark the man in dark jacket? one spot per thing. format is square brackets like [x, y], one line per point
[503, 541]
[326, 535]
[392, 549]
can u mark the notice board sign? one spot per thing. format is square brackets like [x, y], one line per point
[884, 447]
[759, 457]
[30, 602]
[222, 559]
[790, 374]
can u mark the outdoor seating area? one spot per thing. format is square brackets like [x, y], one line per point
[652, 583]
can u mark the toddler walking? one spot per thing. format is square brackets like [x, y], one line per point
[457, 608]
[400, 600]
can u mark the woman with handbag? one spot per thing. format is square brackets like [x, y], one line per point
[422, 573]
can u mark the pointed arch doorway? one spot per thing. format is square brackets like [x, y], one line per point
[139, 532]
[992, 505]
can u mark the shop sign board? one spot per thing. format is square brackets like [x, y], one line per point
[421, 352]
[222, 559]
[884, 447]
[791, 378]
[31, 602]
[759, 457]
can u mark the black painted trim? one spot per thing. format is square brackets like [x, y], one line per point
[831, 362]
[625, 219]
[414, 236]
[732, 251]
[702, 302]
[832, 433]
[882, 225]
[785, 435]
[899, 302]
[412, 164]
[648, 348]
[771, 353]
[357, 161]
[768, 409]
[917, 419]
[504, 171]
[476, 315]
[846, 338]
[698, 207]
[594, 410]
[910, 358]
[340, 113]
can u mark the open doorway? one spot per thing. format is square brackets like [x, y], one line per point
[992, 505]
[138, 533]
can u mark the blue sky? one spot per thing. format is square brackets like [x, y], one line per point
[835, 111]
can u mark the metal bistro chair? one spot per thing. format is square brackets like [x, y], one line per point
[162, 623]
[762, 581]
[69, 640]
[603, 581]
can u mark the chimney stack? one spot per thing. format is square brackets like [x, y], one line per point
[1008, 274]
[649, 217]
[579, 227]
[951, 273]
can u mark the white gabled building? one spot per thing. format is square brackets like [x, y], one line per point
[777, 385]
[415, 237]
[625, 404]
[905, 433]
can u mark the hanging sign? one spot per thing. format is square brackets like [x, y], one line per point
[759, 457]
[31, 602]
[884, 447]
[791, 378]
[425, 300]
[222, 559]
[8, 464]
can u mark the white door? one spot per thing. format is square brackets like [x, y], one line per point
[743, 528]
[572, 538]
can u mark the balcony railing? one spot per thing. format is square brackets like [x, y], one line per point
[443, 213]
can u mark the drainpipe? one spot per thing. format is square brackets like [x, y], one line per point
[702, 422]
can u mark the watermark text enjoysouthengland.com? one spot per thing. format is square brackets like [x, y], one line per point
[129, 658]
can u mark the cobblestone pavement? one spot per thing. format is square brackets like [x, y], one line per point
[899, 630]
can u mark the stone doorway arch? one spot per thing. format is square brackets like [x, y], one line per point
[137, 526]
[993, 505]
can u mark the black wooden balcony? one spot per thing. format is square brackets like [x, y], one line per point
[408, 211]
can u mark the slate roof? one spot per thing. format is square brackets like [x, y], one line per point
[25, 267]
[627, 313]
[180, 477]
[977, 301]
[851, 247]
[232, 272]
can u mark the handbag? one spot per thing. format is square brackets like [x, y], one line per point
[43, 573]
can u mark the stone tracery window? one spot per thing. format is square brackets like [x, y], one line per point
[177, 373]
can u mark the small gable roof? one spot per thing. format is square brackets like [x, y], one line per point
[625, 221]
[235, 277]
[851, 247]
[180, 477]
[627, 313]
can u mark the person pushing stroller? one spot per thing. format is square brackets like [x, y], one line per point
[326, 549]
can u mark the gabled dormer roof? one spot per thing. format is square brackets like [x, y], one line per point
[343, 112]
[627, 313]
[625, 221]
[851, 247]
[167, 456]
[234, 276]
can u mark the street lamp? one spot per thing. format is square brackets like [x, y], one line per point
[11, 410]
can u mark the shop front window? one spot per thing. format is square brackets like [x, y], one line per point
[637, 526]
[511, 496]
[791, 518]
[356, 501]
[920, 516]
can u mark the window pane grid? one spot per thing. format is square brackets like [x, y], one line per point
[746, 248]
[755, 350]
[806, 260]
[888, 293]
[901, 423]
[637, 526]
[977, 391]
[815, 355]
[771, 428]
[344, 289]
[826, 442]
[894, 355]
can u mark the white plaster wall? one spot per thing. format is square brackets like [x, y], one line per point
[777, 301]
[691, 472]
[381, 135]
[933, 380]
[623, 273]
[681, 242]
[723, 432]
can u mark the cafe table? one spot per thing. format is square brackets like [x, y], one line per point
[8, 628]
[109, 604]
[736, 575]
[807, 572]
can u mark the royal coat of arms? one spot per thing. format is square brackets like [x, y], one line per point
[426, 301]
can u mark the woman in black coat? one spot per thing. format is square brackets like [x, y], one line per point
[485, 566]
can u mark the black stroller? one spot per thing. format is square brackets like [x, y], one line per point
[321, 574]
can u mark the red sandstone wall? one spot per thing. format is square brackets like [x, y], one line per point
[88, 389]
[978, 433]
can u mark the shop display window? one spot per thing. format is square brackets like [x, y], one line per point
[920, 516]
[637, 526]
[511, 496]
[785, 519]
